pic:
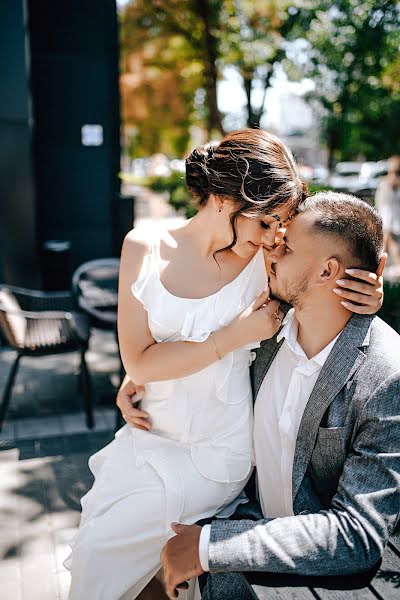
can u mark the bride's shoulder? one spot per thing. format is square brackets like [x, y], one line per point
[138, 239]
[137, 244]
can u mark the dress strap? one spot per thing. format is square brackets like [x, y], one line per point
[155, 251]
[143, 288]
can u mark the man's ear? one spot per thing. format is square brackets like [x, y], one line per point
[331, 270]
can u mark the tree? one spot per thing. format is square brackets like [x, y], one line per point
[169, 72]
[174, 53]
[353, 59]
[207, 36]
[253, 40]
[158, 98]
[209, 13]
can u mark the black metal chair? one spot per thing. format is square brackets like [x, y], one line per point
[95, 288]
[36, 323]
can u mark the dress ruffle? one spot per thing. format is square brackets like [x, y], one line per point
[219, 463]
[182, 321]
[188, 319]
[165, 466]
[139, 288]
[98, 467]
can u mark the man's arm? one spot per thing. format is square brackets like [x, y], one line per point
[349, 537]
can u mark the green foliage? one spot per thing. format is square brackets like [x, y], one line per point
[173, 52]
[194, 41]
[390, 311]
[313, 188]
[252, 38]
[166, 183]
[179, 196]
[353, 59]
[168, 73]
[180, 199]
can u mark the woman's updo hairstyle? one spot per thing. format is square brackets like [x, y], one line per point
[252, 168]
[197, 172]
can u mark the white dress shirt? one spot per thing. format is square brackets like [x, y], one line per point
[278, 411]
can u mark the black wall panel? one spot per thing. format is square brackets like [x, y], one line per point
[74, 81]
[18, 245]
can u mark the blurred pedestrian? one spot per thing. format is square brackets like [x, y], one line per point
[387, 201]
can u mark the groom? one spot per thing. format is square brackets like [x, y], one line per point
[327, 422]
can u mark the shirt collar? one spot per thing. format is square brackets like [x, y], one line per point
[289, 331]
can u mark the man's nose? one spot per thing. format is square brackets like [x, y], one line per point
[279, 236]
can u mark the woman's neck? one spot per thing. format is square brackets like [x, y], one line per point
[205, 233]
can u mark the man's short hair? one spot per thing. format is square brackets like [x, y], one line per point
[355, 225]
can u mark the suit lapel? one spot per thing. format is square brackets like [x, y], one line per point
[343, 361]
[265, 355]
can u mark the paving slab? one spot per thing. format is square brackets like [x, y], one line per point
[44, 450]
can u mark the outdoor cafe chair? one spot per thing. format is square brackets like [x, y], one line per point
[95, 288]
[36, 323]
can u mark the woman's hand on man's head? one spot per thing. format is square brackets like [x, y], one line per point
[128, 396]
[364, 294]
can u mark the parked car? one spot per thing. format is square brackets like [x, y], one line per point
[314, 174]
[320, 175]
[357, 178]
[346, 176]
[371, 172]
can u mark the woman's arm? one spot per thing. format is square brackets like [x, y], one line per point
[144, 360]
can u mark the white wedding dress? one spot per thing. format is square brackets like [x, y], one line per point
[194, 462]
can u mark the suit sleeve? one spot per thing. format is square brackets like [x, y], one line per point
[351, 535]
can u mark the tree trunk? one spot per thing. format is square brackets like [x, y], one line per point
[259, 113]
[254, 114]
[248, 84]
[214, 123]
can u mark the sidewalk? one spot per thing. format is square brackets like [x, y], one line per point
[44, 448]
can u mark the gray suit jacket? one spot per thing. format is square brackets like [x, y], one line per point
[346, 473]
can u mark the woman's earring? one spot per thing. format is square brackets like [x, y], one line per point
[219, 209]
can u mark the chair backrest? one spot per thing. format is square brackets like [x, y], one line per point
[95, 286]
[102, 271]
[12, 320]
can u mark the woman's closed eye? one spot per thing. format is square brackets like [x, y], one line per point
[265, 225]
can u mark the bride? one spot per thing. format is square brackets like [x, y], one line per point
[192, 303]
